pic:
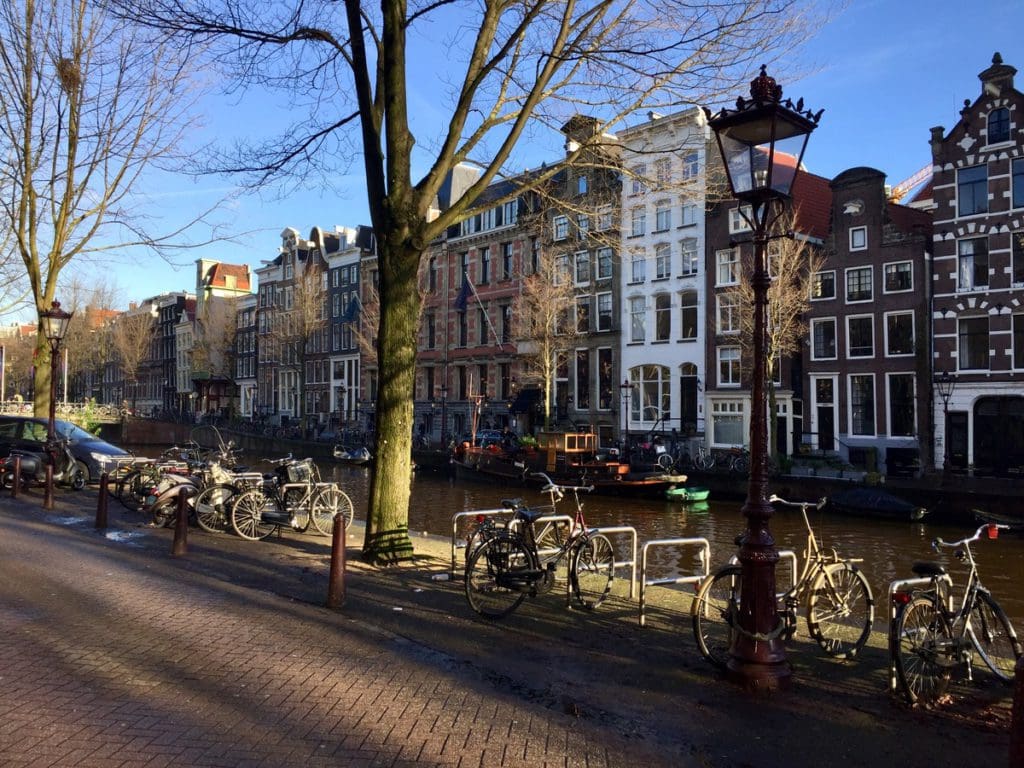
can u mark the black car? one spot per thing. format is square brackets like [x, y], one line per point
[26, 433]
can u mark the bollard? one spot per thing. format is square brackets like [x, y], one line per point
[1017, 719]
[180, 546]
[101, 503]
[17, 477]
[336, 583]
[48, 492]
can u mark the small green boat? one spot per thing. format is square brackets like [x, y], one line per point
[688, 495]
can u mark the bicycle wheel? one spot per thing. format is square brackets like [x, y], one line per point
[714, 611]
[326, 504]
[593, 570]
[740, 464]
[213, 507]
[993, 637]
[297, 505]
[665, 461]
[840, 610]
[921, 645]
[704, 461]
[247, 515]
[492, 588]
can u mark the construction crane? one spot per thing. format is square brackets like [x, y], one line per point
[899, 191]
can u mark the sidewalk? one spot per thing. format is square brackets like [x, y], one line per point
[114, 653]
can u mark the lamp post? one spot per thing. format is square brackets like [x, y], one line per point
[444, 415]
[625, 389]
[945, 384]
[762, 142]
[55, 324]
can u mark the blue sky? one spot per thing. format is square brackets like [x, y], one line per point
[885, 71]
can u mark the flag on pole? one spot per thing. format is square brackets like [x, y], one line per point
[463, 297]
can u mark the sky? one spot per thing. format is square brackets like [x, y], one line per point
[885, 72]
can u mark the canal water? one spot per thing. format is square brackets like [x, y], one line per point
[887, 547]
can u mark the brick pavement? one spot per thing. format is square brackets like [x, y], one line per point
[116, 654]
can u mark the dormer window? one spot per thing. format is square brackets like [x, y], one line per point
[998, 125]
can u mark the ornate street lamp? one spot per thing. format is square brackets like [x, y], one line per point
[54, 322]
[762, 142]
[945, 385]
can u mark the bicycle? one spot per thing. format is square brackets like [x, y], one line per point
[292, 496]
[705, 459]
[839, 606]
[521, 560]
[929, 637]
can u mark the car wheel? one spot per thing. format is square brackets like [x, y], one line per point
[83, 470]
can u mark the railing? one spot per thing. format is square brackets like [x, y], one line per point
[64, 410]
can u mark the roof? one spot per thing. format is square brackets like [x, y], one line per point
[909, 220]
[220, 272]
[812, 200]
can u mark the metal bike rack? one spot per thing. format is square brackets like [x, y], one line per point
[784, 554]
[631, 563]
[902, 586]
[705, 560]
[471, 513]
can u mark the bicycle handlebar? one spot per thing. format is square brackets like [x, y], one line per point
[553, 486]
[799, 504]
[938, 542]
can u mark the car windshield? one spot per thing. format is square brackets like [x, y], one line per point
[72, 431]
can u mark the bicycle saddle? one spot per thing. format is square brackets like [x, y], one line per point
[928, 569]
[512, 504]
[530, 515]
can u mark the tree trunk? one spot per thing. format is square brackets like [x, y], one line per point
[41, 382]
[387, 530]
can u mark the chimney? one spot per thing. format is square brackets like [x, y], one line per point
[998, 78]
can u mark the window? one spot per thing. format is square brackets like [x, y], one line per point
[636, 319]
[605, 219]
[582, 314]
[560, 227]
[639, 268]
[651, 399]
[898, 276]
[691, 165]
[662, 261]
[506, 261]
[823, 339]
[728, 266]
[1018, 183]
[728, 366]
[506, 323]
[534, 255]
[689, 213]
[1017, 250]
[485, 265]
[431, 275]
[688, 315]
[737, 221]
[662, 317]
[582, 265]
[728, 313]
[581, 185]
[563, 270]
[727, 420]
[607, 396]
[583, 379]
[604, 263]
[637, 172]
[972, 190]
[663, 171]
[858, 284]
[662, 215]
[582, 226]
[1018, 342]
[604, 311]
[463, 330]
[862, 404]
[858, 238]
[972, 335]
[972, 267]
[899, 334]
[481, 326]
[688, 249]
[902, 404]
[639, 222]
[860, 336]
[998, 125]
[431, 331]
[823, 285]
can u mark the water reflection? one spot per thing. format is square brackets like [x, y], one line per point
[888, 548]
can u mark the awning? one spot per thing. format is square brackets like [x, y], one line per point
[525, 400]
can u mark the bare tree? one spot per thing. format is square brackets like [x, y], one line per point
[89, 105]
[507, 71]
[87, 342]
[792, 262]
[131, 336]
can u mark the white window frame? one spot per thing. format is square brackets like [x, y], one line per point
[888, 402]
[662, 261]
[604, 319]
[895, 265]
[849, 347]
[638, 185]
[727, 265]
[663, 216]
[824, 272]
[689, 214]
[874, 401]
[727, 313]
[858, 238]
[637, 320]
[581, 264]
[737, 223]
[815, 321]
[913, 333]
[662, 310]
[605, 256]
[871, 284]
[638, 268]
[689, 257]
[735, 366]
[638, 221]
[560, 228]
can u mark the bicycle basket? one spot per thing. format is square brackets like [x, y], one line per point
[299, 472]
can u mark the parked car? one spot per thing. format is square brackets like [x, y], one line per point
[27, 433]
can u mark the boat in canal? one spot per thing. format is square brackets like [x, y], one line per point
[688, 494]
[354, 457]
[874, 502]
[569, 458]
